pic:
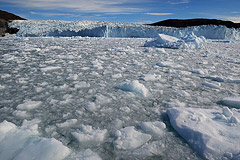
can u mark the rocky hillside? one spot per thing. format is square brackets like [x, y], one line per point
[6, 17]
[179, 23]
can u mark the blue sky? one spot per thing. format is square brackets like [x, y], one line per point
[139, 11]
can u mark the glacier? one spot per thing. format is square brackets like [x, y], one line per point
[36, 28]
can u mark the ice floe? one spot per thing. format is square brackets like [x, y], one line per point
[129, 138]
[29, 105]
[23, 143]
[231, 101]
[153, 128]
[135, 87]
[86, 135]
[87, 154]
[212, 136]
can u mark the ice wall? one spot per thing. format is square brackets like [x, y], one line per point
[32, 28]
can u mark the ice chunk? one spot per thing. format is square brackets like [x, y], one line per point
[29, 105]
[135, 87]
[91, 106]
[87, 154]
[50, 68]
[165, 64]
[162, 38]
[165, 41]
[129, 138]
[150, 77]
[88, 136]
[154, 128]
[20, 143]
[31, 126]
[82, 85]
[231, 102]
[67, 123]
[211, 85]
[190, 41]
[21, 114]
[101, 99]
[210, 137]
[227, 112]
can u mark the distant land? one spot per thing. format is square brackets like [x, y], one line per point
[6, 17]
[181, 23]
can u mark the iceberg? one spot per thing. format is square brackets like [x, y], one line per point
[190, 41]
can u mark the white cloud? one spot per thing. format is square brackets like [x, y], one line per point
[235, 12]
[234, 19]
[174, 2]
[159, 14]
[52, 14]
[97, 6]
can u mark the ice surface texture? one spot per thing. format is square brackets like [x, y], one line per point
[21, 143]
[35, 28]
[64, 88]
[214, 134]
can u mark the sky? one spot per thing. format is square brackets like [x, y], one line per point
[137, 11]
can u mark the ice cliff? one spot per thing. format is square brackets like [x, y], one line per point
[34, 28]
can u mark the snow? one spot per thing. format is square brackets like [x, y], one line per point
[22, 143]
[211, 137]
[129, 138]
[135, 87]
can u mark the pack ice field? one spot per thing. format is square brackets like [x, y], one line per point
[126, 91]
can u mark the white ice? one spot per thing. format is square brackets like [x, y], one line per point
[129, 138]
[29, 105]
[231, 101]
[86, 135]
[135, 87]
[207, 132]
[23, 143]
[153, 128]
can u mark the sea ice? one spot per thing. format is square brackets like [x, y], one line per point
[50, 68]
[149, 77]
[86, 135]
[135, 87]
[82, 85]
[210, 136]
[87, 154]
[153, 128]
[22, 143]
[67, 123]
[29, 105]
[129, 138]
[231, 102]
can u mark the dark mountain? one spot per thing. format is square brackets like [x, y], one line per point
[6, 17]
[9, 16]
[180, 23]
